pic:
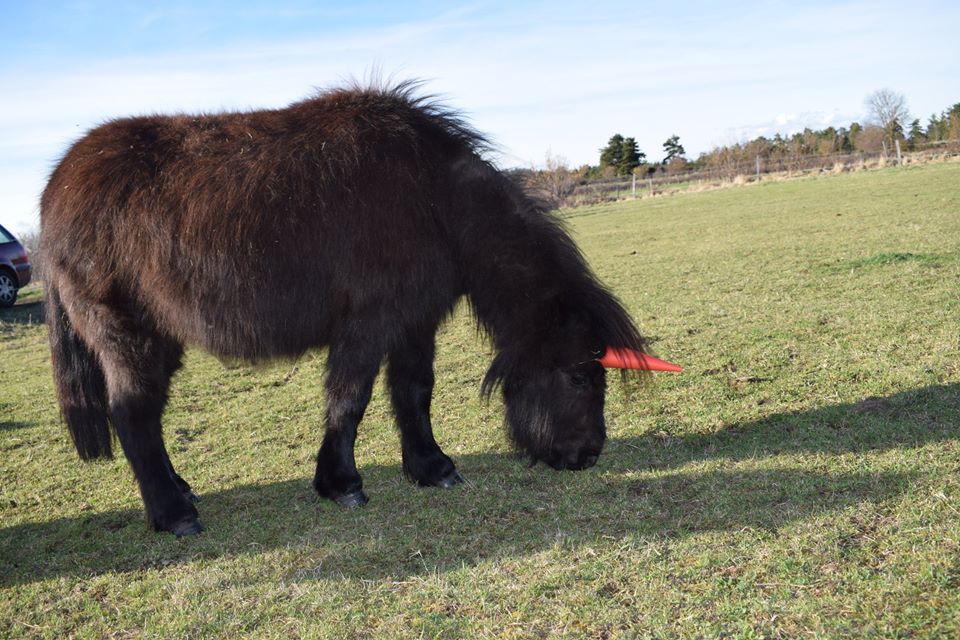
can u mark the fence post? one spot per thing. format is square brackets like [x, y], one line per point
[634, 186]
[758, 168]
[899, 157]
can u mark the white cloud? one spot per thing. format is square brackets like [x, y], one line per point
[561, 77]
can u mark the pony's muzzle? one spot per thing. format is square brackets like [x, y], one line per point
[588, 460]
[575, 461]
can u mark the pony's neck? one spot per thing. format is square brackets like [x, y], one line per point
[528, 283]
[521, 268]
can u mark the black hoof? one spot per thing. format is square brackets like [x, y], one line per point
[352, 500]
[451, 479]
[187, 528]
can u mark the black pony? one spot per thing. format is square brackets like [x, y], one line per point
[354, 220]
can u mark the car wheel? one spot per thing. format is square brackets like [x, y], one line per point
[8, 290]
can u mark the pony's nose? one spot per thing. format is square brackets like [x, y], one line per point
[584, 460]
[574, 461]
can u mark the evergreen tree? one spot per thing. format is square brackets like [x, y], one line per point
[916, 135]
[935, 129]
[610, 155]
[828, 141]
[673, 148]
[630, 157]
[845, 143]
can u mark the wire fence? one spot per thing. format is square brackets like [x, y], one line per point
[750, 170]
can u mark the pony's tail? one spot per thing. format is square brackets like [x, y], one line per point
[81, 389]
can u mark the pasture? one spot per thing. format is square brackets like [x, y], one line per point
[800, 479]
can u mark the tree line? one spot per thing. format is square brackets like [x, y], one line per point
[623, 157]
[888, 123]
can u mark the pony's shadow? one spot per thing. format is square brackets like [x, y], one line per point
[644, 487]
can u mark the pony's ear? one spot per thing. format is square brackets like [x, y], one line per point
[615, 358]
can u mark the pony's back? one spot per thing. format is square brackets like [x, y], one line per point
[259, 234]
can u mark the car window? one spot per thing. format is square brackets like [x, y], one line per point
[4, 236]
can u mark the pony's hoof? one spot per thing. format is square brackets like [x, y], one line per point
[187, 528]
[352, 500]
[451, 479]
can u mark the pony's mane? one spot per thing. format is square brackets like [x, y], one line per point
[408, 95]
[579, 293]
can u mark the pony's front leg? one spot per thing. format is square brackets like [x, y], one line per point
[410, 377]
[349, 383]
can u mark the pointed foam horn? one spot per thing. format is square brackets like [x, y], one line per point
[616, 358]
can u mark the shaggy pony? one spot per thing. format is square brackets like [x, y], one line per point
[355, 220]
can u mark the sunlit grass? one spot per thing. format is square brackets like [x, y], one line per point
[800, 479]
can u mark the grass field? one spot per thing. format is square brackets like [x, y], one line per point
[800, 479]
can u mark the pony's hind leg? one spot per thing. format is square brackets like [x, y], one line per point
[172, 363]
[137, 364]
[410, 377]
[350, 376]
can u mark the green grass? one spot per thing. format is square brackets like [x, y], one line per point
[800, 479]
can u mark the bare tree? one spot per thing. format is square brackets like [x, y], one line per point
[870, 139]
[889, 110]
[31, 242]
[555, 182]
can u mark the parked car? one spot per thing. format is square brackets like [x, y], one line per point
[14, 268]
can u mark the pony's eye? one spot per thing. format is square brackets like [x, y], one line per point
[578, 379]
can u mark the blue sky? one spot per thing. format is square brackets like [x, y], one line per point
[537, 76]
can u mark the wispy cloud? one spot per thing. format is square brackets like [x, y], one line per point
[562, 76]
